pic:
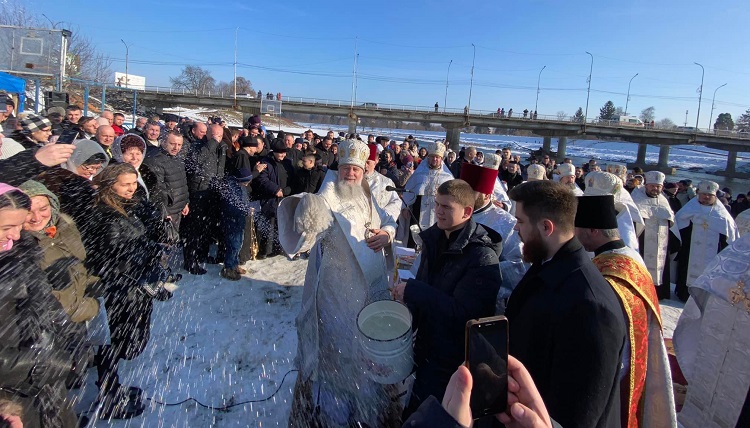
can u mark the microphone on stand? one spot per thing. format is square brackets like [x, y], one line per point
[397, 189]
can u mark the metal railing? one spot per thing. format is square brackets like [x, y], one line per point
[431, 110]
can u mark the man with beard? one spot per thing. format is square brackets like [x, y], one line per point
[644, 403]
[483, 180]
[388, 200]
[346, 231]
[705, 227]
[567, 177]
[653, 241]
[457, 280]
[422, 188]
[566, 322]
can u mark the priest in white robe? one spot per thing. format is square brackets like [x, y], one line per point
[711, 342]
[388, 200]
[653, 241]
[346, 231]
[704, 227]
[568, 177]
[629, 219]
[482, 179]
[421, 189]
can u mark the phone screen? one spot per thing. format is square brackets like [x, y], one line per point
[487, 357]
[67, 136]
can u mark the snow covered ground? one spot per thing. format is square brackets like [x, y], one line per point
[225, 343]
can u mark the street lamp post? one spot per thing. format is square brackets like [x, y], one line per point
[700, 96]
[713, 101]
[627, 100]
[471, 85]
[127, 51]
[235, 66]
[539, 79]
[588, 91]
[445, 101]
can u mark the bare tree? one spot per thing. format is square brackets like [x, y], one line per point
[665, 123]
[13, 12]
[194, 78]
[227, 88]
[561, 115]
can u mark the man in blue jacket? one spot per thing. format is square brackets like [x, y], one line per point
[458, 280]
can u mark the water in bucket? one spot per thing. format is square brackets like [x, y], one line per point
[384, 326]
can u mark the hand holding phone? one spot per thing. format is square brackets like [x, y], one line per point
[487, 361]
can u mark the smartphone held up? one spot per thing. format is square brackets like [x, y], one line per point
[487, 361]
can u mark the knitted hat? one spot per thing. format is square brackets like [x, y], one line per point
[654, 177]
[244, 175]
[708, 187]
[535, 172]
[279, 146]
[35, 188]
[56, 109]
[596, 212]
[353, 152]
[32, 123]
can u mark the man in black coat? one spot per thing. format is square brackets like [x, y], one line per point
[458, 280]
[273, 183]
[324, 150]
[169, 187]
[205, 168]
[566, 323]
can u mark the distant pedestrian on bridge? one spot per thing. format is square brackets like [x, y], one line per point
[525, 112]
[436, 107]
[510, 113]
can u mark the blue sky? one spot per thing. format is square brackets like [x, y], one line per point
[306, 49]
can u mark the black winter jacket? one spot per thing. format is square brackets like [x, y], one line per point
[205, 165]
[277, 175]
[457, 281]
[167, 183]
[36, 340]
[308, 180]
[568, 329]
[125, 248]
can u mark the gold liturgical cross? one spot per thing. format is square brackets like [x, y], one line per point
[704, 225]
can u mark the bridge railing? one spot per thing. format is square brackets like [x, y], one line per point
[445, 111]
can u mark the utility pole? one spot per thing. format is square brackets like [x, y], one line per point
[354, 74]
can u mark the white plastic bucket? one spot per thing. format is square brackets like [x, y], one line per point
[386, 339]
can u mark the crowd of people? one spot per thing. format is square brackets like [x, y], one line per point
[98, 222]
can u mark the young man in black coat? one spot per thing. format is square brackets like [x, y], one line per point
[566, 322]
[458, 280]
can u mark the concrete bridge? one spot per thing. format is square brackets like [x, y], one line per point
[454, 120]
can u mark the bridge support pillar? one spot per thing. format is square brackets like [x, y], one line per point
[562, 144]
[547, 144]
[453, 138]
[731, 162]
[663, 157]
[640, 158]
[353, 123]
